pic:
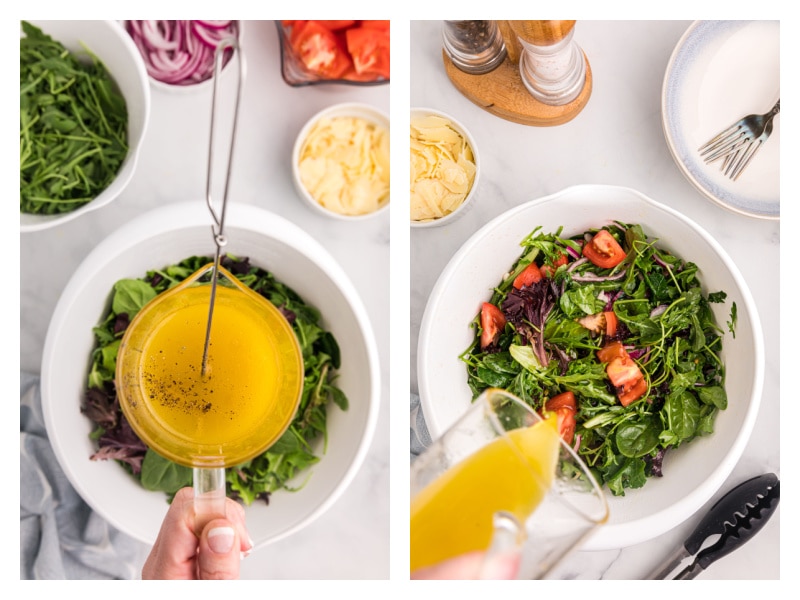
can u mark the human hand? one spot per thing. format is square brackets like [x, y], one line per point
[179, 554]
[474, 565]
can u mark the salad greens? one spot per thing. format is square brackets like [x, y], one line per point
[266, 473]
[72, 126]
[546, 345]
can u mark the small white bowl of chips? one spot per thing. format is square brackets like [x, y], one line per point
[340, 161]
[444, 168]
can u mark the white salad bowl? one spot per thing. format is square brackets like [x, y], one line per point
[165, 236]
[693, 472]
[114, 47]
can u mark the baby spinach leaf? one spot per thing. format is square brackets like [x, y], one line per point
[160, 474]
[130, 296]
[635, 439]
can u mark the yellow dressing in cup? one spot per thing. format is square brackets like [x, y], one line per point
[252, 385]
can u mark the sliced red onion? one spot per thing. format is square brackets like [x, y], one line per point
[577, 264]
[181, 52]
[658, 310]
[593, 278]
[573, 253]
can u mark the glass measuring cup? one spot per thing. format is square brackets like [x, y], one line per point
[501, 480]
[238, 408]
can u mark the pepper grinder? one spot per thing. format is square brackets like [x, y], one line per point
[474, 47]
[551, 64]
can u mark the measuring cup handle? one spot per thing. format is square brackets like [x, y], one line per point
[502, 559]
[209, 496]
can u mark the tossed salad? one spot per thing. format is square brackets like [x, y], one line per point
[259, 477]
[616, 336]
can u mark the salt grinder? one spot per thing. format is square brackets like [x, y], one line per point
[551, 64]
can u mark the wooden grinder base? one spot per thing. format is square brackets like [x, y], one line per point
[502, 93]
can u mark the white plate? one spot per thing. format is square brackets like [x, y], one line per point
[692, 473]
[165, 236]
[719, 72]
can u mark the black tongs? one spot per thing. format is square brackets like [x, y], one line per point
[736, 517]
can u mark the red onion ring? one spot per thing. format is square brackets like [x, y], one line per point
[181, 52]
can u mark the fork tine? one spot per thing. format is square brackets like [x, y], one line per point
[745, 159]
[731, 131]
[712, 151]
[728, 148]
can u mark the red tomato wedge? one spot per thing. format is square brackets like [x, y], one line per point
[336, 25]
[560, 401]
[492, 324]
[530, 275]
[369, 48]
[623, 372]
[548, 270]
[376, 24]
[565, 419]
[611, 323]
[603, 250]
[611, 351]
[565, 406]
[632, 393]
[319, 49]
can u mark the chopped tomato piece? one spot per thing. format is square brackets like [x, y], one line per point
[336, 25]
[603, 250]
[561, 400]
[369, 48]
[548, 270]
[611, 323]
[611, 351]
[376, 24]
[319, 49]
[492, 324]
[623, 371]
[565, 406]
[529, 275]
[632, 393]
[565, 417]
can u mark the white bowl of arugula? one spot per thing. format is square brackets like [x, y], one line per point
[295, 480]
[653, 332]
[83, 117]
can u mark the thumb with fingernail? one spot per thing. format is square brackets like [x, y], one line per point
[219, 552]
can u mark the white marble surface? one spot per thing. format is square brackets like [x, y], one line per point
[172, 168]
[617, 139]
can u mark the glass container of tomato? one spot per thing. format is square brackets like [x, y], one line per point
[348, 52]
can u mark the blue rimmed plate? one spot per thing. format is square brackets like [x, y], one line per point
[719, 72]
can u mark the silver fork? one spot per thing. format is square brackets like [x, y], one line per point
[738, 143]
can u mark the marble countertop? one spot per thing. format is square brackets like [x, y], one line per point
[617, 139]
[172, 168]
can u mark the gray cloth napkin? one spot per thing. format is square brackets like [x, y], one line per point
[61, 537]
[420, 438]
